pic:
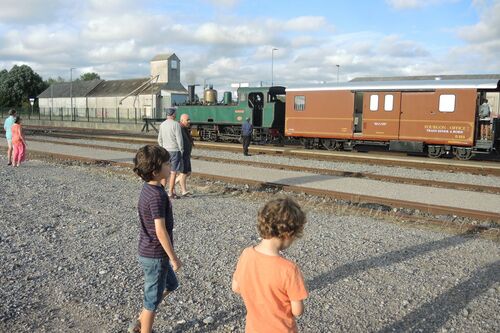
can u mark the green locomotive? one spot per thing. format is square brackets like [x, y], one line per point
[213, 121]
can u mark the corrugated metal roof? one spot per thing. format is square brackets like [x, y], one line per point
[405, 85]
[427, 77]
[118, 87]
[111, 88]
[77, 88]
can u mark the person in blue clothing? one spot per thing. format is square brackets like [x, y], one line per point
[246, 135]
[7, 126]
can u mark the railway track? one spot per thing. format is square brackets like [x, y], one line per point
[423, 163]
[97, 154]
[321, 171]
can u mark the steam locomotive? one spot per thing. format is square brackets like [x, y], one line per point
[437, 117]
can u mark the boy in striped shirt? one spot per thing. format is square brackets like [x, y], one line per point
[156, 222]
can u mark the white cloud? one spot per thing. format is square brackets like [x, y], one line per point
[212, 33]
[411, 4]
[28, 11]
[487, 29]
[395, 47]
[224, 3]
[482, 40]
[303, 23]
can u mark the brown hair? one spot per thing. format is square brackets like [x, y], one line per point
[17, 120]
[12, 112]
[281, 218]
[148, 160]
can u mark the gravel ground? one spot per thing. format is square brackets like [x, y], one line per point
[68, 255]
[462, 178]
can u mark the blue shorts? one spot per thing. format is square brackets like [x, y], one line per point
[158, 277]
[175, 161]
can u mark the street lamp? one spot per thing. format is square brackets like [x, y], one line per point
[338, 69]
[272, 65]
[71, 92]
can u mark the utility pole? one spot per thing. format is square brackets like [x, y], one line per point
[338, 70]
[272, 65]
[71, 93]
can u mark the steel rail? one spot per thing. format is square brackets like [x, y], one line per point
[329, 172]
[353, 198]
[478, 168]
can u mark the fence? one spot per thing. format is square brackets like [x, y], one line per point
[108, 115]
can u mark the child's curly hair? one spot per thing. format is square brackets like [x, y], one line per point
[281, 218]
[148, 160]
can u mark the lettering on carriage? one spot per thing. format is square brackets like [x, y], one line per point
[458, 132]
[380, 123]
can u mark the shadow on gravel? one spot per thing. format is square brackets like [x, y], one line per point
[433, 315]
[220, 319]
[304, 179]
[386, 259]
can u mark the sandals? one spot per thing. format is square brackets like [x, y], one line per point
[173, 196]
[186, 194]
[134, 327]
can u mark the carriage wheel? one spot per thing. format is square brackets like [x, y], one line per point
[435, 151]
[330, 144]
[462, 153]
[307, 143]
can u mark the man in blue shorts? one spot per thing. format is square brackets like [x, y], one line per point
[170, 138]
[7, 126]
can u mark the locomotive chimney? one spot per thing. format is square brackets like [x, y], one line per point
[191, 98]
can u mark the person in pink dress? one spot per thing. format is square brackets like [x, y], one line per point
[18, 143]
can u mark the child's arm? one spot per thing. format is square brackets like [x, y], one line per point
[163, 237]
[297, 308]
[235, 287]
[21, 134]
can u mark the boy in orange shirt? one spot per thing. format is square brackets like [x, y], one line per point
[271, 286]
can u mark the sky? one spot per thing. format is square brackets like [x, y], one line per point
[232, 41]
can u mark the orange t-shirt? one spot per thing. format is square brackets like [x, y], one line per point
[267, 284]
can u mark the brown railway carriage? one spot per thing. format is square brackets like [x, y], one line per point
[439, 116]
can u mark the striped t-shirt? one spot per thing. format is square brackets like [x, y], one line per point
[153, 204]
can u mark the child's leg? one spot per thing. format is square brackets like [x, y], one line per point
[15, 154]
[146, 318]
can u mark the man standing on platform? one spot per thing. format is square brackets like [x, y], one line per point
[187, 142]
[170, 138]
[246, 135]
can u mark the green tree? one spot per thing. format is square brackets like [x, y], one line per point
[89, 76]
[19, 84]
[51, 81]
[3, 93]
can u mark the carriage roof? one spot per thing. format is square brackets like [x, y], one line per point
[410, 85]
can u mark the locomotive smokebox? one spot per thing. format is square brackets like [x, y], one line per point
[210, 96]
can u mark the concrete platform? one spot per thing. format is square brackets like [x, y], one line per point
[483, 202]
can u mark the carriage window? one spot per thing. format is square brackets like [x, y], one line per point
[389, 102]
[299, 103]
[447, 103]
[373, 102]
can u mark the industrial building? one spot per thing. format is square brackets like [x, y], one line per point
[123, 99]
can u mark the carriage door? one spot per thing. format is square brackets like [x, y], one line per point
[256, 103]
[381, 114]
[358, 113]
